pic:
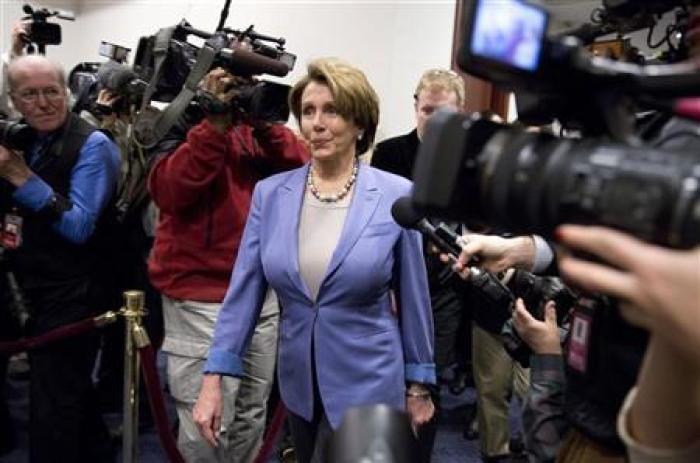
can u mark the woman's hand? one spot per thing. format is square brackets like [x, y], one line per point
[207, 410]
[419, 405]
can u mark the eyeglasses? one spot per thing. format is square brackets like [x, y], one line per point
[31, 95]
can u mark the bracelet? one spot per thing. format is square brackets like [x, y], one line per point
[418, 394]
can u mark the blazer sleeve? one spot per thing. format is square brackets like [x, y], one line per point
[416, 317]
[243, 301]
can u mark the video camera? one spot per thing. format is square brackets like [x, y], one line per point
[496, 293]
[41, 32]
[536, 291]
[497, 299]
[243, 53]
[87, 79]
[477, 171]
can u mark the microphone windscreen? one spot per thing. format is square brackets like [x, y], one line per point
[404, 213]
[114, 76]
[120, 78]
[247, 63]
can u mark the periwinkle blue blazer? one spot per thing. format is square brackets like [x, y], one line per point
[363, 352]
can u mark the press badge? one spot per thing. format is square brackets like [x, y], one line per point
[579, 342]
[12, 230]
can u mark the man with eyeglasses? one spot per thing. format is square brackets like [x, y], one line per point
[51, 200]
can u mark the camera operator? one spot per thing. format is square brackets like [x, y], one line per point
[203, 190]
[660, 420]
[543, 411]
[108, 105]
[53, 198]
[495, 372]
[591, 397]
[612, 175]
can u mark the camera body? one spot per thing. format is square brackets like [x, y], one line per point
[45, 33]
[121, 80]
[481, 172]
[497, 298]
[15, 135]
[87, 79]
[535, 292]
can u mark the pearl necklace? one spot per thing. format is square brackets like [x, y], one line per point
[335, 197]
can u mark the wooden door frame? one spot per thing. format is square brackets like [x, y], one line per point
[481, 95]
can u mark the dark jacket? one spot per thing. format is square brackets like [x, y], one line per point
[397, 155]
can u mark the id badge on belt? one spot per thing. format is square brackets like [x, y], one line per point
[12, 230]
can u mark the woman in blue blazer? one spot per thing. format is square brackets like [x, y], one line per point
[356, 324]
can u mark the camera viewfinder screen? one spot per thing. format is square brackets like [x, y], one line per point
[510, 32]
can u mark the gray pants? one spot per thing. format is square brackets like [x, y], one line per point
[189, 327]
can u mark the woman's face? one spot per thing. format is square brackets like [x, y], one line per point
[329, 134]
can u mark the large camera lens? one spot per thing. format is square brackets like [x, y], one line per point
[526, 182]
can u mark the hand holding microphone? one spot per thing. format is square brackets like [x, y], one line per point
[449, 244]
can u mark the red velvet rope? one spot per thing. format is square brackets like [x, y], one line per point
[157, 403]
[153, 389]
[65, 331]
[271, 433]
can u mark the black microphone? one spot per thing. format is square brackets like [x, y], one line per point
[494, 293]
[441, 235]
[244, 63]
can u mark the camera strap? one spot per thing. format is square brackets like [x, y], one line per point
[167, 118]
[160, 52]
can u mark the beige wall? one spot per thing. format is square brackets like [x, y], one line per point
[392, 41]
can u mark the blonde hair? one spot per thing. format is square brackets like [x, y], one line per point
[442, 79]
[355, 99]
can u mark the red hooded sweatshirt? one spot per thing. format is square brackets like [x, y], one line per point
[203, 190]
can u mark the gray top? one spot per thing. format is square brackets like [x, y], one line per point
[320, 227]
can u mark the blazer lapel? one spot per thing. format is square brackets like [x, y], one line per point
[364, 204]
[292, 194]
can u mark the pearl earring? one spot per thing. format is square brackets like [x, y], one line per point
[360, 134]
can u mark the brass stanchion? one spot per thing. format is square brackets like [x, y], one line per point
[135, 337]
